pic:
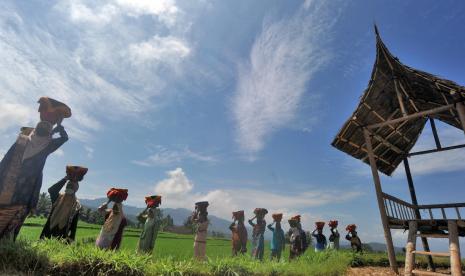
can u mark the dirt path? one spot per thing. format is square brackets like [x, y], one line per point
[370, 271]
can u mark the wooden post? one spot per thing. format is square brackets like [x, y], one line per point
[379, 195]
[413, 196]
[411, 245]
[435, 133]
[454, 249]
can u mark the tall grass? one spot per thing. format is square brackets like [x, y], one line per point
[54, 257]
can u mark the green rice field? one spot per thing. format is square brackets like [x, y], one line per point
[172, 256]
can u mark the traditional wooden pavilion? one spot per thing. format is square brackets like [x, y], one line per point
[390, 117]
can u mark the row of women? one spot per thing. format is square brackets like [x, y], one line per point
[21, 180]
[297, 236]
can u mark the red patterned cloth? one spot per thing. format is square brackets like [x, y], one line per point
[351, 227]
[333, 223]
[122, 194]
[296, 218]
[153, 201]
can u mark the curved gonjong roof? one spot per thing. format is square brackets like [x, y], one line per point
[419, 91]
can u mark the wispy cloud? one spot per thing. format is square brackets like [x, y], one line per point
[164, 156]
[283, 59]
[104, 59]
[89, 151]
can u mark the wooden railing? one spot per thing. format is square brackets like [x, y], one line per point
[398, 209]
[443, 207]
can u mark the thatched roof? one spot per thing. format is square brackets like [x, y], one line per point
[419, 91]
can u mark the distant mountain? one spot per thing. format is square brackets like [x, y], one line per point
[179, 215]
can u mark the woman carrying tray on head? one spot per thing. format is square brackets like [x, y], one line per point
[278, 242]
[111, 233]
[352, 236]
[296, 247]
[63, 219]
[151, 226]
[239, 233]
[258, 240]
[199, 217]
[334, 237]
[21, 167]
[321, 242]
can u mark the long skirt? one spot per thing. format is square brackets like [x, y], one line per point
[11, 220]
[200, 250]
[258, 246]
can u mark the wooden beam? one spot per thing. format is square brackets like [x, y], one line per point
[438, 206]
[437, 254]
[454, 249]
[435, 133]
[379, 195]
[395, 129]
[408, 97]
[435, 150]
[413, 116]
[399, 98]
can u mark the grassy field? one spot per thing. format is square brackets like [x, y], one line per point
[172, 256]
[169, 245]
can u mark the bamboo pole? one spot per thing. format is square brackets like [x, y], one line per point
[454, 249]
[435, 133]
[411, 245]
[399, 98]
[415, 115]
[413, 196]
[379, 195]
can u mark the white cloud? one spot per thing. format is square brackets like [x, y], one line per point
[165, 49]
[283, 59]
[91, 12]
[89, 152]
[179, 192]
[59, 153]
[13, 114]
[164, 156]
[176, 185]
[101, 71]
[441, 162]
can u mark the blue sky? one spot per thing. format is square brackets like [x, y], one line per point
[235, 102]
